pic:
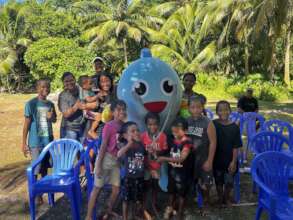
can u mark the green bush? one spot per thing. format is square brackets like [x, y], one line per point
[223, 87]
[51, 57]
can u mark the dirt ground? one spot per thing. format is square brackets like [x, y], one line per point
[13, 186]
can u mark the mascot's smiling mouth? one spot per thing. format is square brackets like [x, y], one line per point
[155, 107]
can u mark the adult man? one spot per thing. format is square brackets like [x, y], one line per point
[71, 107]
[247, 103]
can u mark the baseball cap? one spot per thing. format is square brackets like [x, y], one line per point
[98, 59]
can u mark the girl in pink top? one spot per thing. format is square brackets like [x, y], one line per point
[155, 143]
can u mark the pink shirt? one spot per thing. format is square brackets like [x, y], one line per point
[110, 135]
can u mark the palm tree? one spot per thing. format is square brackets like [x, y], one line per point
[233, 19]
[116, 20]
[12, 41]
[272, 16]
[176, 41]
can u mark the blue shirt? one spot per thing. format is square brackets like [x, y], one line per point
[40, 130]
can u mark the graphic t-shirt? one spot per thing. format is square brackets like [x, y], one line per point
[161, 144]
[134, 161]
[228, 138]
[40, 130]
[197, 131]
[182, 170]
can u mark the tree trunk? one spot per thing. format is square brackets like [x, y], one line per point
[287, 58]
[125, 52]
[246, 59]
[246, 54]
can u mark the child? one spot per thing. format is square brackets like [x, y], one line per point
[39, 115]
[132, 153]
[203, 134]
[96, 103]
[189, 80]
[156, 144]
[106, 166]
[179, 170]
[225, 161]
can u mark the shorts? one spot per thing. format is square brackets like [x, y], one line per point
[41, 168]
[202, 177]
[178, 185]
[133, 189]
[223, 177]
[110, 172]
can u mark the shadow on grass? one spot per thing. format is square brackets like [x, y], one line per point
[12, 176]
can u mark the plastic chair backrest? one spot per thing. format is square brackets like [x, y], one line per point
[63, 153]
[267, 141]
[209, 113]
[249, 120]
[280, 127]
[235, 116]
[272, 169]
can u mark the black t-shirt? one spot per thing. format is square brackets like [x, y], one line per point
[134, 161]
[184, 169]
[228, 138]
[247, 104]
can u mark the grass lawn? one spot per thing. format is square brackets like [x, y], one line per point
[13, 193]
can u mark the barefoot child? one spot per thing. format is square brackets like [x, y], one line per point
[179, 169]
[107, 167]
[155, 146]
[132, 154]
[37, 129]
[203, 134]
[225, 161]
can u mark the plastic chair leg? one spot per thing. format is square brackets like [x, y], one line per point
[51, 199]
[258, 213]
[199, 197]
[32, 205]
[73, 197]
[237, 187]
[253, 187]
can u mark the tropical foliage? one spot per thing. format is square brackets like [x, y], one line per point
[227, 39]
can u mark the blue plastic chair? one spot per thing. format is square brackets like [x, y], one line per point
[209, 113]
[64, 177]
[235, 116]
[280, 127]
[91, 145]
[270, 171]
[268, 141]
[248, 124]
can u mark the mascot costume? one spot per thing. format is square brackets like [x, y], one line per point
[150, 85]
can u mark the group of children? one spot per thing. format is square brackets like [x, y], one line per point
[197, 150]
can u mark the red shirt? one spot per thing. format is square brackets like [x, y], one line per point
[161, 142]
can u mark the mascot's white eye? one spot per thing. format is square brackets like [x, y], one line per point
[167, 86]
[140, 88]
